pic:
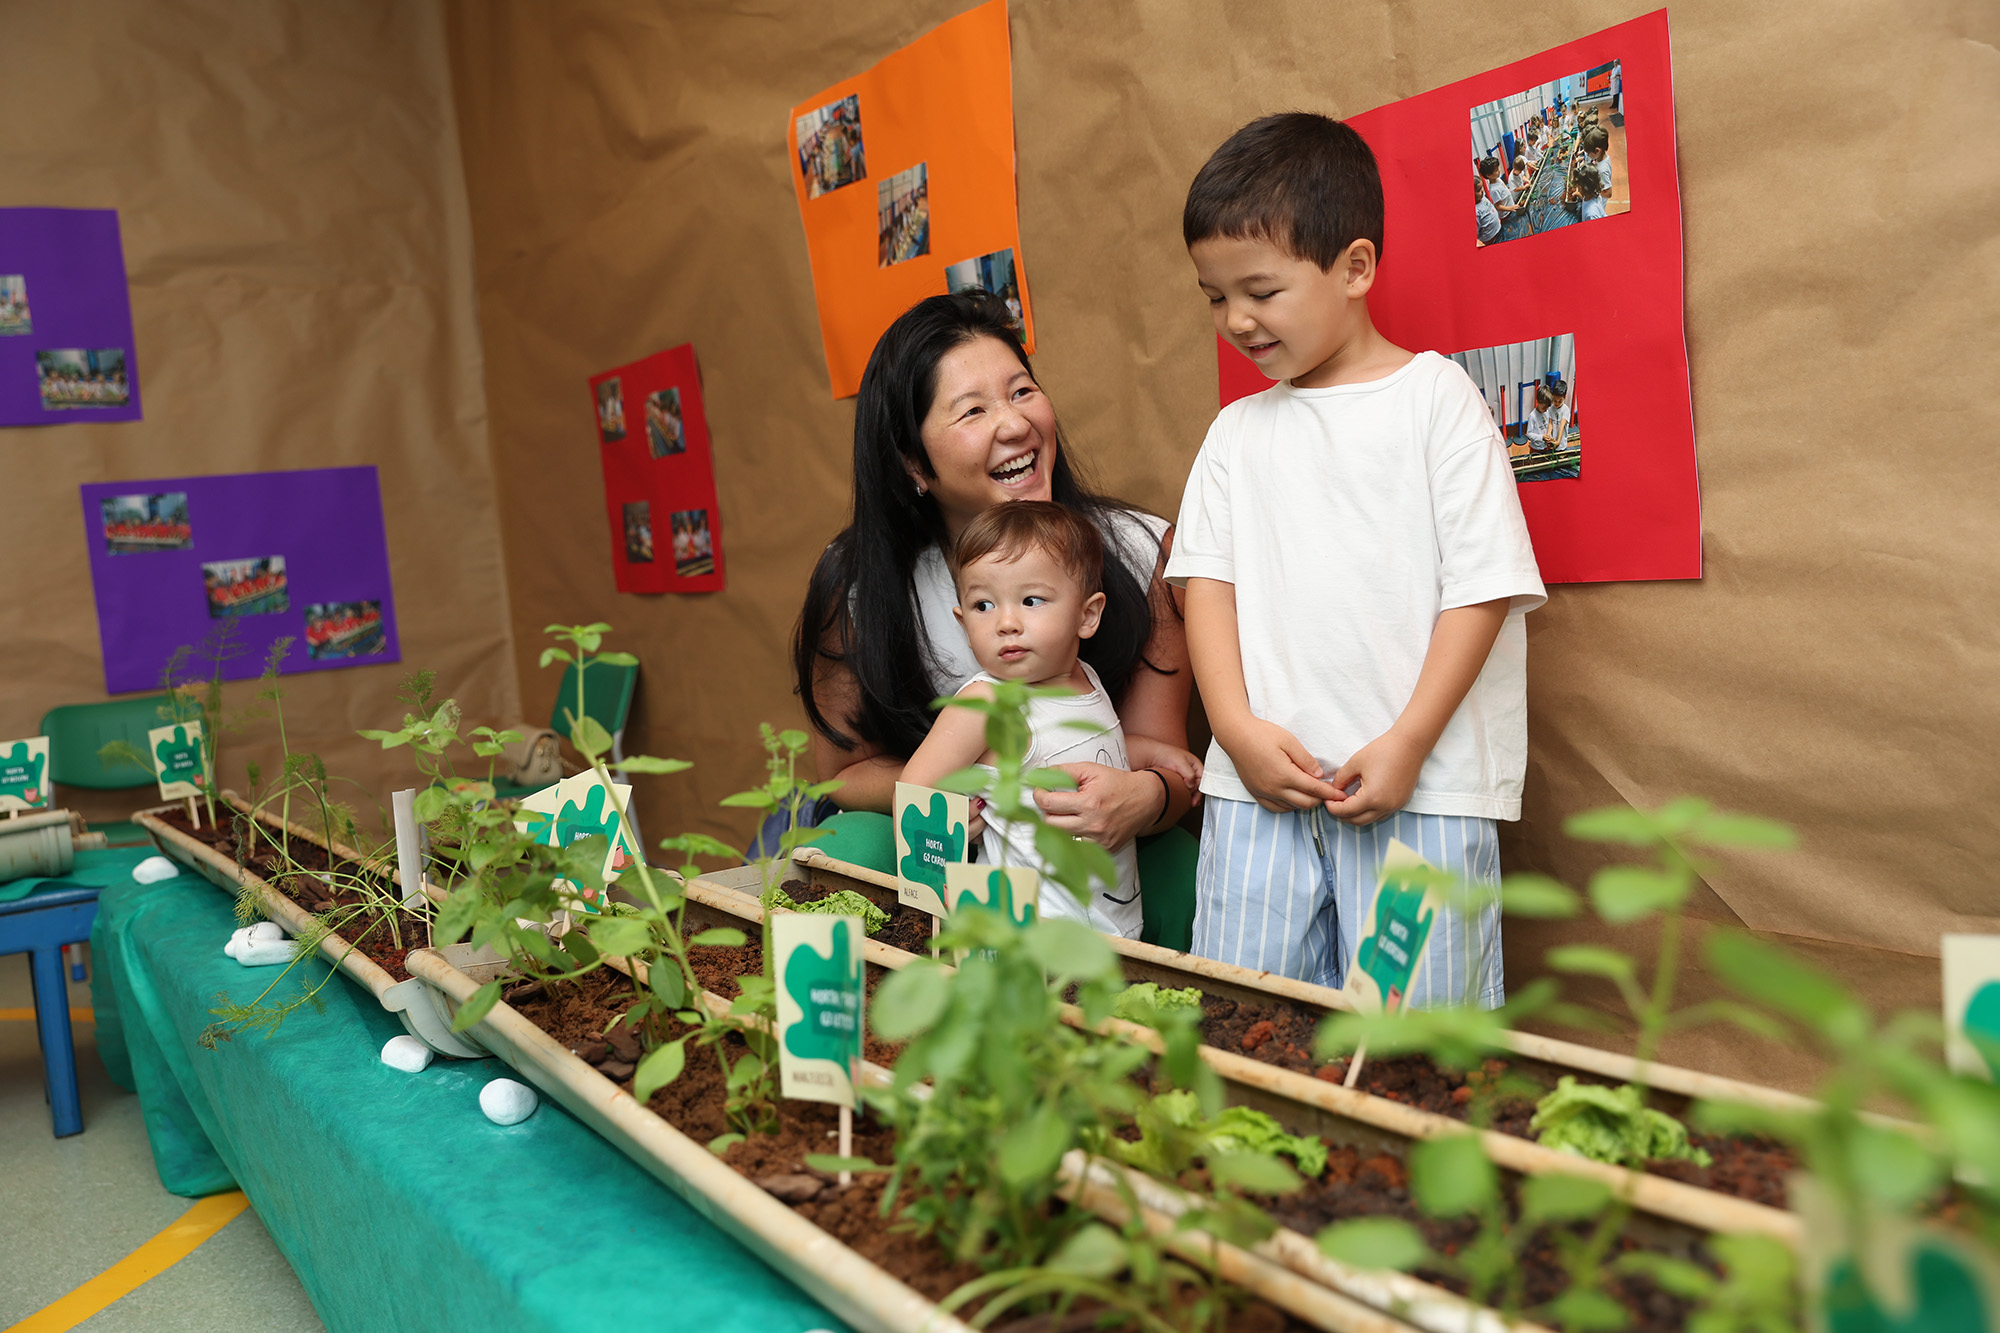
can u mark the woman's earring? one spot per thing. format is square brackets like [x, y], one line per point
[922, 489]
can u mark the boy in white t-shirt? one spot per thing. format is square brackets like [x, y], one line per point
[1357, 568]
[1029, 576]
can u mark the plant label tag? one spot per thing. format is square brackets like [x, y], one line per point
[1903, 1274]
[1013, 891]
[1972, 1005]
[930, 835]
[178, 761]
[24, 774]
[576, 808]
[820, 1003]
[1394, 934]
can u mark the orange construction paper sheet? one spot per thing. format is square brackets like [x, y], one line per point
[905, 178]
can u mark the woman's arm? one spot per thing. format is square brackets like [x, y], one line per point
[1111, 806]
[867, 774]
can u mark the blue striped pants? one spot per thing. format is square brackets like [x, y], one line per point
[1288, 893]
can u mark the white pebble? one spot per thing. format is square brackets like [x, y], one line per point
[154, 869]
[407, 1054]
[262, 953]
[266, 930]
[506, 1102]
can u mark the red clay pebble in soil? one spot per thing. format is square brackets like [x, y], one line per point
[1259, 1033]
[591, 1052]
[1333, 1073]
[1392, 1171]
[623, 1042]
[1461, 1094]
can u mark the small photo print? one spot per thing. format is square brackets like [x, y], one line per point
[665, 433]
[903, 216]
[694, 549]
[829, 143]
[639, 532]
[1550, 157]
[76, 378]
[611, 410]
[14, 305]
[337, 630]
[1530, 388]
[134, 523]
[992, 274]
[246, 587]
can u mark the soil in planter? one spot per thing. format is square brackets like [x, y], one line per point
[370, 935]
[908, 929]
[579, 1013]
[1280, 1034]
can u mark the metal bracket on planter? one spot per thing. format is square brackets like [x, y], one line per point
[422, 1008]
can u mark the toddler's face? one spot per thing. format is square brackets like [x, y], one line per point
[1025, 615]
[1288, 315]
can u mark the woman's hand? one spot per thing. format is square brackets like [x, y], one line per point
[1109, 807]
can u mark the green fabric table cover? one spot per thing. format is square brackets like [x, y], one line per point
[94, 869]
[397, 1202]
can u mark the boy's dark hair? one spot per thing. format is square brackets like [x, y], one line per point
[1306, 183]
[1595, 138]
[1585, 180]
[1489, 167]
[1014, 528]
[1560, 388]
[1544, 398]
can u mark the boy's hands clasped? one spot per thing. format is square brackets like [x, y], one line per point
[1282, 774]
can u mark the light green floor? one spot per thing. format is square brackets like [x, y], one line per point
[70, 1208]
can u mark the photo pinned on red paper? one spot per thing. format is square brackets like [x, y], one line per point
[939, 115]
[1530, 387]
[659, 475]
[1614, 287]
[1551, 156]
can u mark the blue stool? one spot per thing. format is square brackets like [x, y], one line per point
[39, 926]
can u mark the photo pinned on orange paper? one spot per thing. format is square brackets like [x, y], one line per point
[904, 172]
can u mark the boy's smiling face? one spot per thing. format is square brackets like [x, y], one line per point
[1025, 615]
[1288, 315]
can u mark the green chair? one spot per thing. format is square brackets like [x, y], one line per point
[607, 697]
[77, 732]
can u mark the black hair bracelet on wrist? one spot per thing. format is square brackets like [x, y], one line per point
[1166, 795]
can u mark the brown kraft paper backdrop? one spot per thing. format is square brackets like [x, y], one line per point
[629, 183]
[288, 183]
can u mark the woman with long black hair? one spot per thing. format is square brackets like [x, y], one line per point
[950, 420]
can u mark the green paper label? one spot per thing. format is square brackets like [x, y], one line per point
[23, 765]
[819, 1005]
[930, 835]
[177, 760]
[1398, 926]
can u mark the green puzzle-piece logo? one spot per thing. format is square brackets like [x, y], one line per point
[1947, 1299]
[1390, 955]
[828, 993]
[933, 842]
[1000, 897]
[1982, 1025]
[180, 758]
[21, 774]
[592, 818]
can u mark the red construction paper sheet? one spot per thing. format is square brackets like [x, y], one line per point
[1601, 297]
[659, 475]
[905, 180]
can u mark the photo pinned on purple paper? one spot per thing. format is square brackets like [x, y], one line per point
[14, 316]
[903, 216]
[611, 411]
[639, 532]
[694, 549]
[79, 377]
[666, 433]
[135, 523]
[829, 145]
[337, 630]
[246, 587]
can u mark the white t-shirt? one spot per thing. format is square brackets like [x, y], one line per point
[1053, 740]
[1535, 429]
[1348, 518]
[1131, 538]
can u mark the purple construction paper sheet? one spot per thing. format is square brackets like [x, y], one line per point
[66, 350]
[277, 554]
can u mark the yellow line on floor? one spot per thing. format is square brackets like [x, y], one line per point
[155, 1257]
[76, 1015]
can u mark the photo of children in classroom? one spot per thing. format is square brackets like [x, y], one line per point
[246, 587]
[664, 432]
[903, 216]
[135, 523]
[73, 377]
[639, 532]
[611, 410]
[993, 274]
[829, 144]
[1530, 388]
[14, 305]
[337, 630]
[1550, 157]
[694, 549]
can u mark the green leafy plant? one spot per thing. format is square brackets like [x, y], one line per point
[1610, 1125]
[844, 903]
[1140, 1003]
[196, 696]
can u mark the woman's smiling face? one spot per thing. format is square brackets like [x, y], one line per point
[990, 434]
